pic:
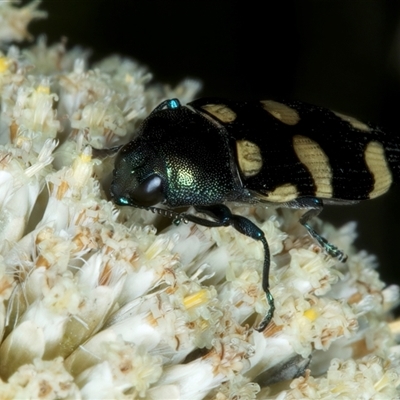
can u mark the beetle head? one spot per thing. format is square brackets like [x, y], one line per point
[179, 158]
[136, 182]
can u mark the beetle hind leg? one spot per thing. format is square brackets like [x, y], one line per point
[316, 207]
[222, 216]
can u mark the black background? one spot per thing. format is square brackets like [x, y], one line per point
[343, 54]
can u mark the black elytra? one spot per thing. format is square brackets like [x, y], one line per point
[288, 154]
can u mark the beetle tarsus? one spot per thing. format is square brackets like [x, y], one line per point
[330, 249]
[267, 319]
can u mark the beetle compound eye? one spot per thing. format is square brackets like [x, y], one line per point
[149, 192]
[144, 194]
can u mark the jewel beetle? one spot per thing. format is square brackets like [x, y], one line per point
[283, 153]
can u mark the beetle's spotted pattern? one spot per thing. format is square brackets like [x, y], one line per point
[221, 112]
[284, 113]
[355, 123]
[249, 158]
[216, 151]
[375, 159]
[281, 194]
[305, 150]
[314, 158]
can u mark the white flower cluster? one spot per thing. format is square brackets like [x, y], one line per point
[95, 305]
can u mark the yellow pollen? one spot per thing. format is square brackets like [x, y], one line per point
[43, 89]
[85, 158]
[3, 64]
[311, 314]
[197, 299]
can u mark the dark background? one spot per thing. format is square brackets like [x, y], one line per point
[343, 54]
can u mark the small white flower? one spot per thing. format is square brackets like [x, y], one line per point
[19, 189]
[14, 21]
[41, 379]
[367, 378]
[125, 368]
[52, 59]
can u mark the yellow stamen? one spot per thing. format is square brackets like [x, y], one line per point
[43, 89]
[85, 157]
[196, 299]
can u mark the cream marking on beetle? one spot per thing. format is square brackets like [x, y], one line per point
[354, 122]
[317, 162]
[282, 193]
[249, 158]
[376, 161]
[220, 111]
[284, 113]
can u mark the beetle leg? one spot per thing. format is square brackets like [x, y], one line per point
[223, 217]
[206, 222]
[104, 153]
[317, 207]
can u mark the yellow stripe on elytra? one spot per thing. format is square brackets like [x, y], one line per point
[220, 111]
[375, 159]
[317, 162]
[283, 193]
[284, 113]
[249, 158]
[355, 123]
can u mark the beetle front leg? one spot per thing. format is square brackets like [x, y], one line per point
[316, 207]
[223, 217]
[103, 153]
